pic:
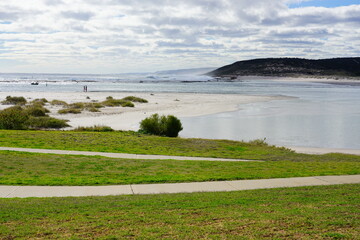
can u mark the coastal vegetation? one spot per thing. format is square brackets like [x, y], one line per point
[322, 212]
[95, 128]
[78, 107]
[29, 117]
[20, 168]
[135, 99]
[168, 126]
[14, 101]
[56, 102]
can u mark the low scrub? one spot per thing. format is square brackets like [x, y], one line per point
[29, 117]
[69, 110]
[13, 118]
[111, 102]
[93, 105]
[14, 100]
[46, 122]
[95, 128]
[77, 105]
[39, 101]
[169, 126]
[58, 103]
[36, 110]
[135, 99]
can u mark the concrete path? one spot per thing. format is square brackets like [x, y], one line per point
[221, 186]
[122, 155]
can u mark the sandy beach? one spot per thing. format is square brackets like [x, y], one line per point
[126, 118]
[178, 104]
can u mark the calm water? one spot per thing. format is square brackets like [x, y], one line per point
[320, 115]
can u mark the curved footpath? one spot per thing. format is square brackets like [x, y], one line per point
[122, 155]
[218, 186]
[221, 186]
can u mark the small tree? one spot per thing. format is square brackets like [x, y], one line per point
[169, 126]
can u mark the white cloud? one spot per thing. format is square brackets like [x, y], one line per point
[143, 35]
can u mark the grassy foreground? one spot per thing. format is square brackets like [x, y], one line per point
[19, 168]
[324, 212]
[131, 142]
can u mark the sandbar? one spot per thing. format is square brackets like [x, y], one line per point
[127, 118]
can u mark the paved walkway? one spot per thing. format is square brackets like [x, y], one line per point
[122, 155]
[221, 186]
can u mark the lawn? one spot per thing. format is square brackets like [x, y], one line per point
[132, 142]
[20, 168]
[323, 212]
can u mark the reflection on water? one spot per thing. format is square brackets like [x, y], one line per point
[322, 116]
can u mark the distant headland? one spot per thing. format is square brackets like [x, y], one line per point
[291, 67]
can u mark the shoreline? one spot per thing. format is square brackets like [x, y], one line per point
[126, 118]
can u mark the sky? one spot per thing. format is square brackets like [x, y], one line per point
[121, 36]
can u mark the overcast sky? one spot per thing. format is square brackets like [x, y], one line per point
[116, 36]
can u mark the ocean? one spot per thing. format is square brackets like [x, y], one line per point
[317, 115]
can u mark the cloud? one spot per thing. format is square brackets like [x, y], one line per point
[82, 16]
[119, 35]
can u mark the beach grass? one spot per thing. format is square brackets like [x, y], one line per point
[136, 143]
[322, 212]
[20, 168]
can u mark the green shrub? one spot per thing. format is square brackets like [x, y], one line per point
[135, 99]
[77, 105]
[95, 128]
[40, 101]
[36, 110]
[13, 118]
[33, 117]
[15, 100]
[172, 126]
[97, 105]
[111, 102]
[127, 104]
[169, 126]
[69, 110]
[58, 103]
[92, 107]
[46, 122]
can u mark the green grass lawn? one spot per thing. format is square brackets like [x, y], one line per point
[323, 212]
[131, 142]
[19, 168]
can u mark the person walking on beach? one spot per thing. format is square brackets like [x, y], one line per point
[85, 88]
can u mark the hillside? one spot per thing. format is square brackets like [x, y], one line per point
[291, 67]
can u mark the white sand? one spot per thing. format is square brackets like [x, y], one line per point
[120, 118]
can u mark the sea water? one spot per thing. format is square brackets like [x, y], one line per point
[317, 115]
[320, 115]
